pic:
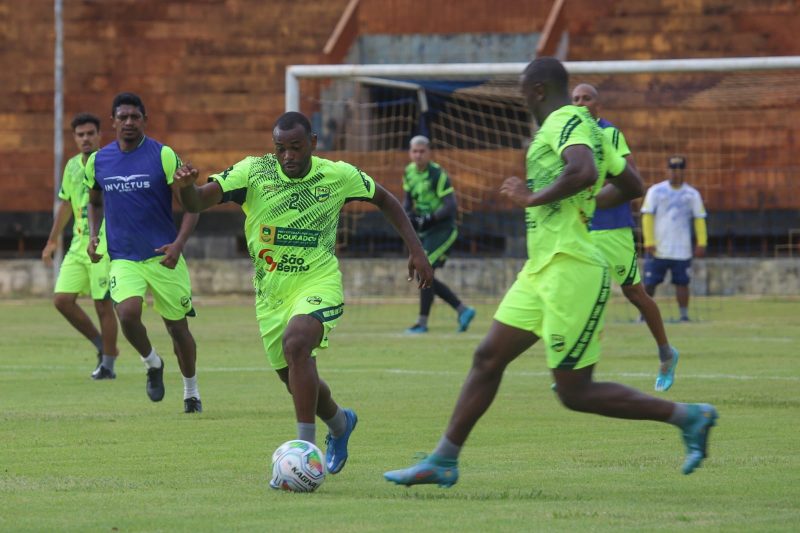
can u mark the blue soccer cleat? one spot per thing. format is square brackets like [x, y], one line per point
[702, 417]
[336, 447]
[416, 329]
[465, 318]
[666, 376]
[432, 470]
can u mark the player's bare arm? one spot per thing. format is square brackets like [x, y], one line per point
[418, 264]
[193, 197]
[62, 217]
[622, 188]
[578, 174]
[95, 216]
[172, 251]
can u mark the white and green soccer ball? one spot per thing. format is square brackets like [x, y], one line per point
[297, 466]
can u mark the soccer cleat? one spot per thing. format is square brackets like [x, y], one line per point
[416, 329]
[336, 447]
[155, 383]
[102, 372]
[465, 318]
[666, 376]
[431, 470]
[702, 417]
[192, 405]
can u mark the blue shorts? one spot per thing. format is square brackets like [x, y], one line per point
[655, 270]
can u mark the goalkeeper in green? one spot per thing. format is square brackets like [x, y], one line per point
[430, 203]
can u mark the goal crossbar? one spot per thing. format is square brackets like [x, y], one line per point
[471, 70]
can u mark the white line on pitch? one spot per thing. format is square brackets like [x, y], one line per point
[402, 371]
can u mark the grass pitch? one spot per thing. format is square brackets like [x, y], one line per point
[78, 455]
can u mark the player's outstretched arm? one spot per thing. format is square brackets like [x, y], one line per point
[194, 198]
[621, 188]
[418, 264]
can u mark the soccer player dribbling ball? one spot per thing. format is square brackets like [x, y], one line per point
[292, 200]
[561, 292]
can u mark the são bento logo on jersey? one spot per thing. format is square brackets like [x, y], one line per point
[279, 236]
[126, 183]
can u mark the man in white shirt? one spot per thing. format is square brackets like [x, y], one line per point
[667, 213]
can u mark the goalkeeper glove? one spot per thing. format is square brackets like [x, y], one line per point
[425, 222]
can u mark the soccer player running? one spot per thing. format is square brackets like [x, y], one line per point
[292, 202]
[561, 292]
[430, 203]
[612, 232]
[78, 275]
[667, 210]
[132, 185]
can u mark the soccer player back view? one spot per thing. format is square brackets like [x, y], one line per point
[611, 232]
[292, 201]
[133, 177]
[561, 292]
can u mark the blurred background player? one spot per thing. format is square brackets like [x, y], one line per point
[77, 274]
[292, 201]
[561, 292]
[612, 232]
[667, 214]
[133, 178]
[430, 203]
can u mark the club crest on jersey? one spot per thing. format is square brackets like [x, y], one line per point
[557, 342]
[282, 236]
[267, 234]
[322, 193]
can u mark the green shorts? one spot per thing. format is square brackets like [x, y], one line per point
[323, 300]
[563, 304]
[78, 275]
[437, 241]
[618, 247]
[171, 288]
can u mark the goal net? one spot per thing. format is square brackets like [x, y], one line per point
[735, 121]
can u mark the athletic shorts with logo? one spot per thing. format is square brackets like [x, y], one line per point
[171, 288]
[437, 241]
[618, 247]
[78, 275]
[323, 299]
[655, 270]
[564, 305]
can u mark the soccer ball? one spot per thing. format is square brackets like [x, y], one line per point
[297, 466]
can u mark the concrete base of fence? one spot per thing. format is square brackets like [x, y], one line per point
[474, 278]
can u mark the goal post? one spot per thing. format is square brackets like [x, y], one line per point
[734, 118]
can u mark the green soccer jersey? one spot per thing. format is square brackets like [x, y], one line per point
[290, 224]
[617, 140]
[426, 188]
[74, 190]
[561, 227]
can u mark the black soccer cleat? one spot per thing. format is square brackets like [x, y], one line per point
[192, 405]
[102, 372]
[155, 383]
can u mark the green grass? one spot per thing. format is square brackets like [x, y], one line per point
[76, 455]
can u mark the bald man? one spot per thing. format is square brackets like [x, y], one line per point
[612, 232]
[561, 292]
